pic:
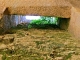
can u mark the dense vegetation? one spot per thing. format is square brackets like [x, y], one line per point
[43, 22]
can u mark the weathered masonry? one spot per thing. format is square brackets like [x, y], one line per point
[58, 8]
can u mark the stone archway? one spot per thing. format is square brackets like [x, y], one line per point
[59, 8]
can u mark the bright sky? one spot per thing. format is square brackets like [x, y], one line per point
[32, 17]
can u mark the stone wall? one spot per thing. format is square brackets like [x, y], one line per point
[59, 8]
[42, 10]
[74, 26]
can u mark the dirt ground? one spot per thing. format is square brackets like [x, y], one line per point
[39, 44]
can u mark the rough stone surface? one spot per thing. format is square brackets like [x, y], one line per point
[75, 3]
[75, 57]
[60, 8]
[2, 9]
[3, 46]
[74, 26]
[44, 11]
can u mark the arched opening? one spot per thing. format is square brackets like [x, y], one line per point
[28, 22]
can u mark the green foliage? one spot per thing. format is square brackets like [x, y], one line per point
[39, 22]
[68, 56]
[29, 26]
[43, 22]
[36, 22]
[4, 57]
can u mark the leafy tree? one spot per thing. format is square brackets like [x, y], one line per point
[43, 21]
[47, 18]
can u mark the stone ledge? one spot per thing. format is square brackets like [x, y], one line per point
[59, 8]
[64, 12]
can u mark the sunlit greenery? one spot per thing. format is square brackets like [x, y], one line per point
[43, 22]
